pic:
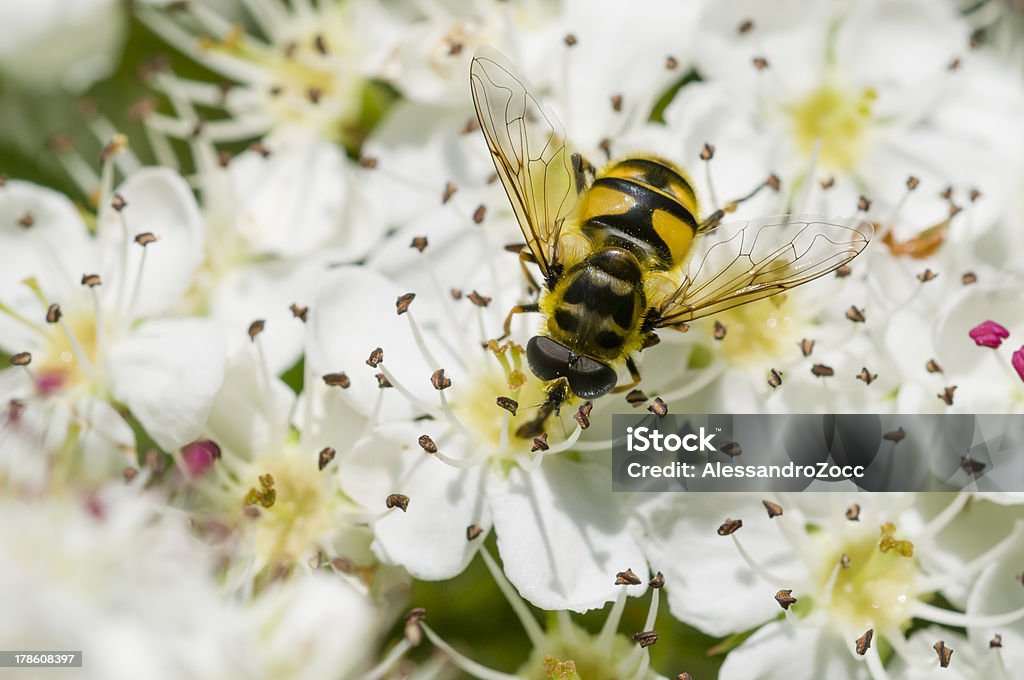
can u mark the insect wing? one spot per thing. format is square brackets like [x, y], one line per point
[740, 262]
[541, 172]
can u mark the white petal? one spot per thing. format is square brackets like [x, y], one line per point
[167, 373]
[562, 537]
[781, 651]
[429, 539]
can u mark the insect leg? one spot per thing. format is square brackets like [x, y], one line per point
[518, 309]
[634, 373]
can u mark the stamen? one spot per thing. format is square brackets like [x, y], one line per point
[990, 556]
[611, 624]
[943, 519]
[874, 664]
[404, 391]
[467, 665]
[390, 659]
[530, 625]
[706, 154]
[755, 567]
[951, 618]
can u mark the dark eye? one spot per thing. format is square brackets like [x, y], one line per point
[550, 360]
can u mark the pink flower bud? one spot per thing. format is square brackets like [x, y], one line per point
[1018, 362]
[989, 334]
[199, 456]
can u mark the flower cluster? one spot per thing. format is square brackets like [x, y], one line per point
[265, 411]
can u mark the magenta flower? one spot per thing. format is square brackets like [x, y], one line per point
[989, 334]
[199, 456]
[1018, 362]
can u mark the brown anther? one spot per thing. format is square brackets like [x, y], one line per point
[729, 527]
[145, 238]
[867, 376]
[53, 313]
[413, 631]
[320, 44]
[774, 509]
[671, 63]
[224, 159]
[397, 500]
[636, 398]
[369, 162]
[259, 148]
[91, 280]
[774, 378]
[945, 653]
[843, 271]
[947, 394]
[569, 40]
[977, 38]
[806, 347]
[746, 26]
[118, 203]
[299, 312]
[256, 327]
[627, 578]
[473, 532]
[510, 405]
[128, 474]
[337, 380]
[646, 638]
[912, 183]
[472, 125]
[853, 512]
[449, 191]
[974, 194]
[855, 315]
[731, 449]
[864, 641]
[606, 146]
[382, 381]
[657, 582]
[375, 358]
[478, 299]
[946, 193]
[822, 371]
[773, 182]
[582, 416]
[342, 565]
[785, 598]
[616, 100]
[142, 108]
[933, 366]
[707, 152]
[117, 144]
[21, 359]
[403, 302]
[720, 330]
[427, 444]
[325, 457]
[314, 94]
[419, 243]
[456, 294]
[492, 178]
[439, 381]
[479, 213]
[896, 436]
[926, 276]
[455, 49]
[658, 407]
[954, 209]
[540, 443]
[996, 642]
[844, 561]
[863, 203]
[760, 63]
[684, 676]
[971, 466]
[828, 182]
[954, 65]
[968, 278]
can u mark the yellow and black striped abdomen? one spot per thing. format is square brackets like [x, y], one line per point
[644, 205]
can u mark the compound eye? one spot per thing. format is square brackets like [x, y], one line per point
[590, 378]
[548, 359]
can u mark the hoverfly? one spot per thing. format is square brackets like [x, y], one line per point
[623, 250]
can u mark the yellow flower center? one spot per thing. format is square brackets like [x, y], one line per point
[835, 118]
[876, 589]
[761, 331]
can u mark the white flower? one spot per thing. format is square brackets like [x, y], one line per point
[854, 563]
[81, 315]
[60, 43]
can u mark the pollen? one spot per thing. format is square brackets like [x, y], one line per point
[760, 332]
